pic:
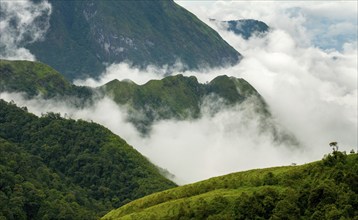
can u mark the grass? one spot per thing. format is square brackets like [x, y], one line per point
[188, 200]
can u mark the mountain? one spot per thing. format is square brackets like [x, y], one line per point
[56, 168]
[84, 36]
[244, 27]
[179, 97]
[173, 97]
[324, 189]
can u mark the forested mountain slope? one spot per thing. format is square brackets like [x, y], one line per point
[56, 168]
[180, 97]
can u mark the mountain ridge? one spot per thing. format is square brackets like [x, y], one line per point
[173, 97]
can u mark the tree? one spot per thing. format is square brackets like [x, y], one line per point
[334, 145]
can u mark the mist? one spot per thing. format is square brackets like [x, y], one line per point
[308, 81]
[192, 150]
[21, 23]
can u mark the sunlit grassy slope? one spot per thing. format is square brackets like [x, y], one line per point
[324, 189]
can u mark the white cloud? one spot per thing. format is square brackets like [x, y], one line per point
[22, 22]
[311, 91]
[191, 150]
[306, 21]
[123, 71]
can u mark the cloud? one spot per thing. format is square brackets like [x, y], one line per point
[306, 21]
[123, 71]
[21, 23]
[311, 91]
[192, 150]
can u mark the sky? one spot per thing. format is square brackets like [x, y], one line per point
[305, 68]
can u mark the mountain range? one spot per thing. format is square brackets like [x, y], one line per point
[54, 167]
[173, 97]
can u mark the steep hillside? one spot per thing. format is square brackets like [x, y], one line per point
[55, 168]
[84, 35]
[244, 27]
[325, 189]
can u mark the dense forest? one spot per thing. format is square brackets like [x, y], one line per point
[56, 168]
[325, 189]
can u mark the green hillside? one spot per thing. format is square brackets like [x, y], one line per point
[84, 35]
[35, 78]
[173, 97]
[56, 168]
[325, 189]
[178, 97]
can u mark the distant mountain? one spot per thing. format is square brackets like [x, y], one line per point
[326, 189]
[179, 97]
[84, 36]
[173, 97]
[56, 168]
[244, 27]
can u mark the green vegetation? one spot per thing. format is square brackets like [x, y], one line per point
[325, 189]
[86, 34]
[34, 78]
[55, 168]
[178, 97]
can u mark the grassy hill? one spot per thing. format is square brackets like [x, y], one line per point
[56, 168]
[324, 189]
[84, 35]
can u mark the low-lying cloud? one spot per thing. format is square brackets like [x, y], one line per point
[192, 150]
[21, 23]
[311, 90]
